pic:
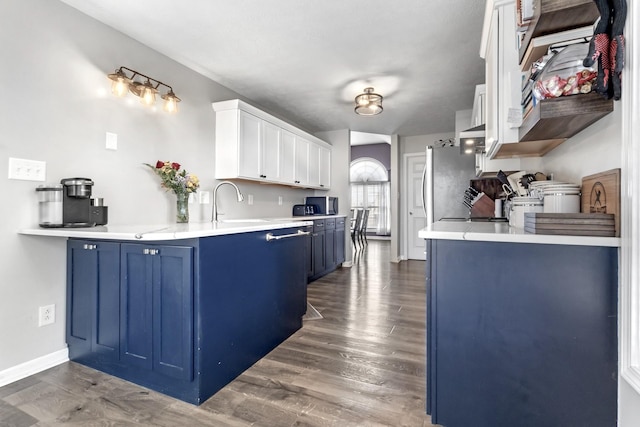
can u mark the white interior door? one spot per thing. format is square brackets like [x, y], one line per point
[415, 217]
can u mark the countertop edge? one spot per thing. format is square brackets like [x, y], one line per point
[164, 231]
[501, 232]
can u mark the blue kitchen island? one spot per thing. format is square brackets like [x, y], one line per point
[182, 309]
[521, 328]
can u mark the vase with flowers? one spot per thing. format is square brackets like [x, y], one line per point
[180, 182]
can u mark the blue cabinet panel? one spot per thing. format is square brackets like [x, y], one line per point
[251, 298]
[136, 320]
[93, 293]
[173, 312]
[523, 334]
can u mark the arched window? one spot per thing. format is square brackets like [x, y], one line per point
[366, 169]
[370, 190]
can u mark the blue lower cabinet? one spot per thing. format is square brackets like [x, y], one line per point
[93, 300]
[184, 319]
[522, 335]
[327, 247]
[339, 241]
[156, 322]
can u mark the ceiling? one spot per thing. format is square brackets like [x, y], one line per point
[306, 60]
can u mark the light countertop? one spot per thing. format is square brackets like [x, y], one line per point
[501, 232]
[169, 231]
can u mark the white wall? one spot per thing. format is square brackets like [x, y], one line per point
[57, 107]
[595, 149]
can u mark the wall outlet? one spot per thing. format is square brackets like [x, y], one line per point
[250, 199]
[279, 200]
[27, 170]
[46, 315]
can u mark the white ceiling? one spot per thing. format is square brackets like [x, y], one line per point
[306, 60]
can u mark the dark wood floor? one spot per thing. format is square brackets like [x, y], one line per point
[363, 364]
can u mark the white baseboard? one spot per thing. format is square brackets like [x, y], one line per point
[34, 366]
[347, 264]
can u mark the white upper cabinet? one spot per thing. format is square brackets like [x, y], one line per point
[287, 165]
[253, 145]
[249, 145]
[270, 152]
[503, 75]
[314, 165]
[302, 162]
[325, 167]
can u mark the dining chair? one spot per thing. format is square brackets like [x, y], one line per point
[362, 233]
[356, 224]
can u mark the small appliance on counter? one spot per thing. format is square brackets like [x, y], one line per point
[303, 210]
[49, 205]
[69, 204]
[322, 205]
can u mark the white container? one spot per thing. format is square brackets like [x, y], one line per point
[522, 205]
[561, 199]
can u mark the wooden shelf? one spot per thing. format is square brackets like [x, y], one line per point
[552, 16]
[561, 118]
[553, 121]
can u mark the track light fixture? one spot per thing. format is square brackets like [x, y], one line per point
[368, 103]
[146, 90]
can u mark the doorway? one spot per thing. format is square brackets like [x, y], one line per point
[413, 210]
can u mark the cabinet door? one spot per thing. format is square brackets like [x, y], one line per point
[491, 71]
[314, 165]
[136, 315]
[503, 77]
[173, 311]
[302, 161]
[319, 250]
[325, 167]
[287, 161]
[339, 241]
[330, 258]
[270, 152]
[157, 308]
[249, 145]
[309, 252]
[93, 299]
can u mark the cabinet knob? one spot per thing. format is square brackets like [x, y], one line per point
[89, 247]
[148, 251]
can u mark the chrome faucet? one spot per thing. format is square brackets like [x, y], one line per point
[215, 197]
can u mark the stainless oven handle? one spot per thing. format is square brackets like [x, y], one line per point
[271, 237]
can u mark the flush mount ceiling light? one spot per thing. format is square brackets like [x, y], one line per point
[368, 103]
[146, 90]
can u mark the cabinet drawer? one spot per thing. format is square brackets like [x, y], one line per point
[318, 225]
[330, 224]
[340, 223]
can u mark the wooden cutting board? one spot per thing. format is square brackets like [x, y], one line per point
[601, 194]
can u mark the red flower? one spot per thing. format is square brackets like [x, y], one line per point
[159, 164]
[175, 166]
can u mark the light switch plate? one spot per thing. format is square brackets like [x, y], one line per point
[27, 170]
[204, 197]
[111, 141]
